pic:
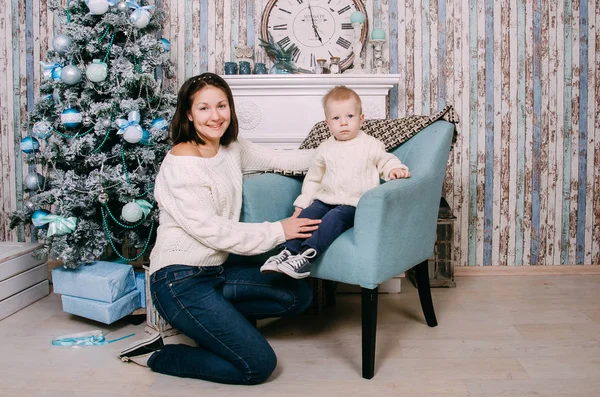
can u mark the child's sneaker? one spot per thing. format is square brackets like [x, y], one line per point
[270, 265]
[298, 266]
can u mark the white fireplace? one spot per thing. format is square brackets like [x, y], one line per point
[279, 110]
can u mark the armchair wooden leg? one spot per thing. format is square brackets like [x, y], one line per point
[422, 276]
[369, 330]
[330, 288]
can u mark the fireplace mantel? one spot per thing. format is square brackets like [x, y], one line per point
[279, 110]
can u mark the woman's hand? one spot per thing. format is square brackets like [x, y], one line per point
[294, 227]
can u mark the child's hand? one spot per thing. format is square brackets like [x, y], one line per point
[399, 173]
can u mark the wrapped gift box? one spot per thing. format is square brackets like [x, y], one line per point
[23, 277]
[104, 312]
[100, 281]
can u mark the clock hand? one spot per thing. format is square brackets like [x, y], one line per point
[312, 20]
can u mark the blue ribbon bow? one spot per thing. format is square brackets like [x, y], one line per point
[58, 225]
[48, 69]
[133, 4]
[133, 120]
[146, 206]
[91, 338]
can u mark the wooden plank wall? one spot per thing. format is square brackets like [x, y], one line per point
[524, 76]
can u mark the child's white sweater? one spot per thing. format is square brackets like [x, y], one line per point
[343, 171]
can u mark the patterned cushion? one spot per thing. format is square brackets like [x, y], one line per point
[392, 132]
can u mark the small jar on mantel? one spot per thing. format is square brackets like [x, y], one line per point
[322, 66]
[283, 65]
[334, 65]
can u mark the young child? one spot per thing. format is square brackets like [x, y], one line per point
[345, 166]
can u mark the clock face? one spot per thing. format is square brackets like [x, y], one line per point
[319, 28]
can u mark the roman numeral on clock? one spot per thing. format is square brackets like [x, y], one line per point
[296, 55]
[281, 27]
[300, 1]
[347, 26]
[343, 10]
[285, 41]
[343, 42]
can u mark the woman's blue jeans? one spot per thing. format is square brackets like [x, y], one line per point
[212, 305]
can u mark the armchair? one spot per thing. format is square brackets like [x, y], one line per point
[394, 230]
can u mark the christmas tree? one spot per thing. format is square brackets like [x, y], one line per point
[98, 133]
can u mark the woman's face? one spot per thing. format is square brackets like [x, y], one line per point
[210, 114]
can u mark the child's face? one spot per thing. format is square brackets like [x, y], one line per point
[344, 118]
[210, 113]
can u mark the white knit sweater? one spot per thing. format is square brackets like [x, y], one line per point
[342, 171]
[200, 201]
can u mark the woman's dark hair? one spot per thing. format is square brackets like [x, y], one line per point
[182, 129]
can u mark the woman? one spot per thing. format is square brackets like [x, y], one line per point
[192, 284]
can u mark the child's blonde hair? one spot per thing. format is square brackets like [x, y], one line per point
[341, 93]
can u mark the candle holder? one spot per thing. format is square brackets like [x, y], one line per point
[358, 64]
[378, 55]
[244, 53]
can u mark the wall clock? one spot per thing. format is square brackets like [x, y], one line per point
[319, 28]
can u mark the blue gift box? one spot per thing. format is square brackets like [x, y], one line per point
[104, 312]
[100, 281]
[140, 283]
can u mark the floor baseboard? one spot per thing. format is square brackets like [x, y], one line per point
[467, 271]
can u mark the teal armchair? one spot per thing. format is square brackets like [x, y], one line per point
[394, 229]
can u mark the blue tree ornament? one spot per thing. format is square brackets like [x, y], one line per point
[132, 212]
[34, 181]
[55, 74]
[61, 43]
[29, 145]
[42, 129]
[130, 129]
[51, 71]
[70, 75]
[140, 18]
[97, 7]
[38, 217]
[166, 44]
[159, 123]
[145, 137]
[71, 118]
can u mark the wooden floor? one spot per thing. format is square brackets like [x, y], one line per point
[497, 336]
